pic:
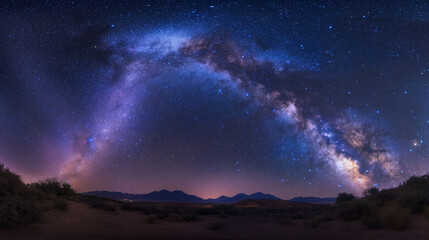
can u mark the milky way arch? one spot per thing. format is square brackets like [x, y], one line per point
[350, 149]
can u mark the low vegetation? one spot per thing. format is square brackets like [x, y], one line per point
[22, 203]
[18, 209]
[356, 209]
[18, 203]
[344, 197]
[53, 187]
[391, 208]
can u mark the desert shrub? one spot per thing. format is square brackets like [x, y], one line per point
[53, 186]
[67, 190]
[18, 205]
[397, 217]
[16, 210]
[356, 209]
[372, 222]
[151, 219]
[344, 197]
[370, 192]
[61, 204]
[36, 194]
[216, 226]
[416, 183]
[385, 196]
[10, 183]
[415, 200]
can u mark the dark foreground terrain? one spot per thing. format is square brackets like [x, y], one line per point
[254, 220]
[53, 210]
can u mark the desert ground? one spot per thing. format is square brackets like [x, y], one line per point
[83, 221]
[53, 210]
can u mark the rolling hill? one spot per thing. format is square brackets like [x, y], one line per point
[176, 196]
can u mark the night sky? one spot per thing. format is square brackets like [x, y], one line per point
[301, 98]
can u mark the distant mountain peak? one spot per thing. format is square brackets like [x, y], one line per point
[241, 195]
[177, 196]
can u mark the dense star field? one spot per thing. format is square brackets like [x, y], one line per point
[212, 98]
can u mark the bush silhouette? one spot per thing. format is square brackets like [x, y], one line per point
[344, 197]
[415, 200]
[17, 210]
[18, 205]
[385, 196]
[10, 183]
[416, 183]
[356, 209]
[370, 192]
[55, 187]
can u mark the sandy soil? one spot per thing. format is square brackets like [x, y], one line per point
[83, 222]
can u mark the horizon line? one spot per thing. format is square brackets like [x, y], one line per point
[207, 198]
